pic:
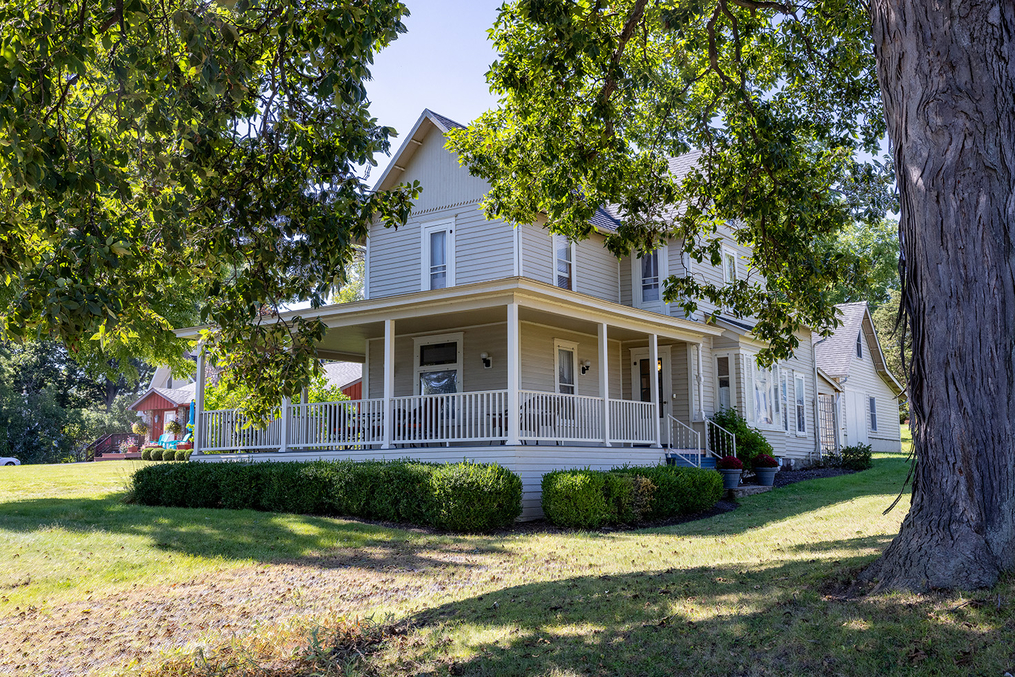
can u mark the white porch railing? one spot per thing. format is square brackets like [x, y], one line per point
[685, 441]
[633, 422]
[560, 418]
[719, 442]
[422, 419]
[228, 429]
[452, 417]
[349, 424]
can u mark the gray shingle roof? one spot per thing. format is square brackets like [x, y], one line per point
[341, 374]
[835, 353]
[444, 123]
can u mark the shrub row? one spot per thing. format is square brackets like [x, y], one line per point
[158, 454]
[589, 499]
[465, 497]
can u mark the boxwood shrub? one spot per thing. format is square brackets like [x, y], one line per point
[463, 497]
[146, 454]
[157, 454]
[183, 454]
[589, 499]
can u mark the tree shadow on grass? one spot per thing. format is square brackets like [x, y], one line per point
[249, 535]
[780, 620]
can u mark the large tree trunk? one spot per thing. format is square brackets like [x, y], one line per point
[947, 73]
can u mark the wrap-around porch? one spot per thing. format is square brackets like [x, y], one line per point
[491, 365]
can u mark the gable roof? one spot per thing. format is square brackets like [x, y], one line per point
[835, 353]
[175, 396]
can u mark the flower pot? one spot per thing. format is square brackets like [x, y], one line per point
[132, 449]
[185, 445]
[766, 476]
[730, 477]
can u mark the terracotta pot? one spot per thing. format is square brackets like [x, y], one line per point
[132, 449]
[185, 445]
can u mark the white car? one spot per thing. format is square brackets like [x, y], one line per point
[9, 460]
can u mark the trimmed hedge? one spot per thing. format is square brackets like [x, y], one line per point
[157, 454]
[183, 454]
[589, 499]
[464, 497]
[146, 454]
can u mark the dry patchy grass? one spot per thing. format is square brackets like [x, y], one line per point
[756, 591]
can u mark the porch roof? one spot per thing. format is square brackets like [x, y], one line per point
[480, 302]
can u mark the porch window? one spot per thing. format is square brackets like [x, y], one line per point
[563, 254]
[438, 365]
[872, 403]
[801, 422]
[725, 381]
[763, 395]
[650, 277]
[566, 362]
[438, 256]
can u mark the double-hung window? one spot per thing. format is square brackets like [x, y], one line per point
[729, 266]
[724, 382]
[565, 364]
[563, 259]
[438, 364]
[438, 255]
[801, 409]
[872, 403]
[765, 408]
[784, 380]
[650, 277]
[859, 345]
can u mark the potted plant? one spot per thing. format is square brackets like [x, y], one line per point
[765, 468]
[731, 468]
[173, 426]
[140, 428]
[128, 446]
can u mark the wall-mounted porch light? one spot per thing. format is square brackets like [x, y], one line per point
[586, 365]
[487, 360]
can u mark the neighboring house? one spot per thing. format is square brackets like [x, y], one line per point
[506, 343]
[347, 376]
[859, 390]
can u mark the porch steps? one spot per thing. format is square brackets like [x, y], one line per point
[686, 459]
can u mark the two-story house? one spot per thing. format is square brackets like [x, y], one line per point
[503, 342]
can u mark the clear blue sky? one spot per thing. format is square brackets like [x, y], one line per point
[440, 64]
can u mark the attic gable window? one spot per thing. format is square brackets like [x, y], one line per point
[859, 345]
[729, 266]
[438, 254]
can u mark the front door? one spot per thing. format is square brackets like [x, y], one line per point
[641, 372]
[158, 422]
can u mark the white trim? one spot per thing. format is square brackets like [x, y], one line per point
[457, 338]
[785, 376]
[564, 344]
[553, 262]
[366, 370]
[662, 255]
[425, 230]
[366, 266]
[664, 356]
[517, 240]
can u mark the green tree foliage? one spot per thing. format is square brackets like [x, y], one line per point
[352, 290]
[161, 157]
[896, 343]
[779, 99]
[872, 252]
[231, 393]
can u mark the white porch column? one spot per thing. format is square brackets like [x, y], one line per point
[653, 380]
[604, 381]
[700, 413]
[389, 380]
[199, 426]
[514, 374]
[286, 412]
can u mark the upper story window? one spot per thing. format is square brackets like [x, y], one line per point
[729, 266]
[650, 277]
[859, 345]
[438, 255]
[563, 258]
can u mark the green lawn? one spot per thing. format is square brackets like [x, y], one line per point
[88, 584]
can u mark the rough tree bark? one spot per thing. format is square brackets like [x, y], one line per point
[947, 74]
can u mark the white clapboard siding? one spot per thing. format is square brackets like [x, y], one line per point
[596, 269]
[865, 379]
